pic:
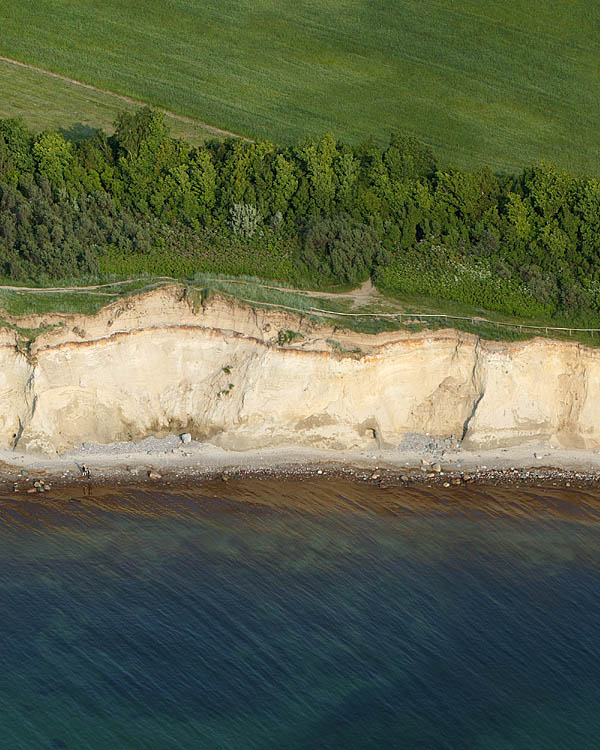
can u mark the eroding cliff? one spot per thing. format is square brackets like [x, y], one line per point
[241, 377]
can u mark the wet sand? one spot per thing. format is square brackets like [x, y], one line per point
[85, 505]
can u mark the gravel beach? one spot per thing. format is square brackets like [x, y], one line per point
[175, 460]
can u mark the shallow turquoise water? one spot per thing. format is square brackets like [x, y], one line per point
[202, 622]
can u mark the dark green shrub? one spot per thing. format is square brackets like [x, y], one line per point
[339, 249]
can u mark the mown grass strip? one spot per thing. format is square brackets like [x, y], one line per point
[47, 102]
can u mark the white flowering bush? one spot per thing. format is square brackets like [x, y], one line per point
[244, 219]
[436, 271]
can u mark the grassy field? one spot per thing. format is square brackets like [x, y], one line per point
[484, 81]
[44, 102]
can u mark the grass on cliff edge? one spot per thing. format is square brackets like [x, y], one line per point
[501, 82]
[265, 294]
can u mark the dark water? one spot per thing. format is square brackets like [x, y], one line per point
[299, 615]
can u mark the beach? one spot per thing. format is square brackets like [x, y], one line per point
[170, 461]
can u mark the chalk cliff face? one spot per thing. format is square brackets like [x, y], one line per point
[154, 364]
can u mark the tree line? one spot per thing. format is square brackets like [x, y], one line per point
[321, 212]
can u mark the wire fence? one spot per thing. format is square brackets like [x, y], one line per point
[406, 317]
[401, 317]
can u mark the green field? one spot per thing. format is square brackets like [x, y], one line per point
[483, 81]
[44, 102]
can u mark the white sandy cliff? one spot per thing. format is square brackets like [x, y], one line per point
[160, 363]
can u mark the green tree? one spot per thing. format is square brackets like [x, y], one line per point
[408, 159]
[234, 176]
[316, 158]
[145, 155]
[15, 150]
[339, 250]
[203, 179]
[53, 157]
[285, 184]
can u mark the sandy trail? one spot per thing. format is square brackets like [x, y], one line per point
[92, 287]
[364, 295]
[361, 297]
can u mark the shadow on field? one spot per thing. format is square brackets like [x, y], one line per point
[78, 132]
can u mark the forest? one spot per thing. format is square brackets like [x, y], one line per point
[320, 213]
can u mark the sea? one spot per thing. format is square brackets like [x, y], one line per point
[298, 614]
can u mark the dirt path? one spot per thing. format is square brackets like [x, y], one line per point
[363, 295]
[366, 294]
[123, 98]
[59, 289]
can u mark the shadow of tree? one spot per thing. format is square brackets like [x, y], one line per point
[78, 131]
